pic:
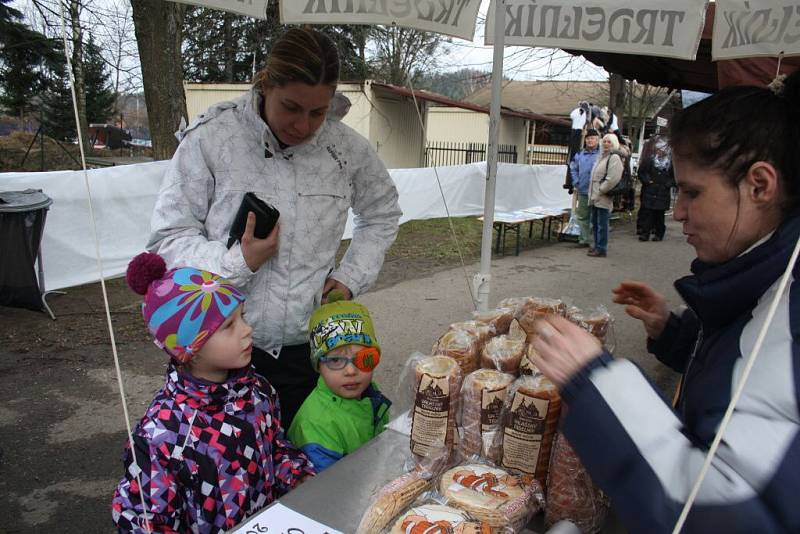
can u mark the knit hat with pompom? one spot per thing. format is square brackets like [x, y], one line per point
[182, 307]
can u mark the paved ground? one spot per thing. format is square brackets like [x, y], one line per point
[61, 426]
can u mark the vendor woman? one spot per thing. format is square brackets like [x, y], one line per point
[738, 170]
[283, 140]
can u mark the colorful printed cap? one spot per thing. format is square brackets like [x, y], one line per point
[337, 324]
[182, 307]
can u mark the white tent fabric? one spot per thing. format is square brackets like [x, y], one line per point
[123, 198]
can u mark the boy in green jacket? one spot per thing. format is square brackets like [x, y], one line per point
[345, 409]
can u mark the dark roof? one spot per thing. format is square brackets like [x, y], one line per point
[449, 102]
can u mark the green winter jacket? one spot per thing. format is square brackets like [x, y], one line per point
[327, 426]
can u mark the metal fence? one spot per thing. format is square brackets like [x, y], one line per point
[547, 154]
[439, 153]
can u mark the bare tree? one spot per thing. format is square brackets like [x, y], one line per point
[158, 25]
[401, 53]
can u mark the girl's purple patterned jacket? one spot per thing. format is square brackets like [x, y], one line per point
[209, 456]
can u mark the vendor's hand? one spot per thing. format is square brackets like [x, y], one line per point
[257, 251]
[643, 303]
[563, 348]
[331, 284]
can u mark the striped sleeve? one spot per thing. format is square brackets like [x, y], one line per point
[635, 448]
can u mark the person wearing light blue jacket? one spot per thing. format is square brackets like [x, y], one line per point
[580, 169]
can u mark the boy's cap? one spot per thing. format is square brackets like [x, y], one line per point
[182, 307]
[339, 323]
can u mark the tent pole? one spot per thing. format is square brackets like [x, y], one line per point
[483, 278]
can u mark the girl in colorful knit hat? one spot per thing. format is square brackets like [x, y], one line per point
[345, 409]
[210, 450]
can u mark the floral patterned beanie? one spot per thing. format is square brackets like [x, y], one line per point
[182, 307]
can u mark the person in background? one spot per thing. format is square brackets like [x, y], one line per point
[581, 172]
[284, 141]
[739, 205]
[579, 117]
[657, 178]
[607, 171]
[346, 409]
[210, 449]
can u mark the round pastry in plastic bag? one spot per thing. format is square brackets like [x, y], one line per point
[462, 346]
[499, 318]
[598, 321]
[437, 519]
[537, 307]
[494, 496]
[503, 353]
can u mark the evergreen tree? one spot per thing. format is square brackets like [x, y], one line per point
[25, 57]
[58, 116]
[99, 96]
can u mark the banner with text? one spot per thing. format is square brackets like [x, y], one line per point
[647, 27]
[252, 8]
[449, 17]
[748, 28]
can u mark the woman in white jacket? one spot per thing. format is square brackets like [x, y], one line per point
[283, 141]
[607, 171]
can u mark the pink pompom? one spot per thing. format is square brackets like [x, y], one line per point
[144, 269]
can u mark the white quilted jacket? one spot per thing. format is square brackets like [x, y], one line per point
[229, 151]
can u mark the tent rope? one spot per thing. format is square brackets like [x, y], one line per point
[444, 201]
[135, 466]
[739, 389]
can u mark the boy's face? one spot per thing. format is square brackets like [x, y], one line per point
[230, 347]
[350, 382]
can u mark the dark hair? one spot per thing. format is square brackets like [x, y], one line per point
[300, 55]
[592, 131]
[740, 125]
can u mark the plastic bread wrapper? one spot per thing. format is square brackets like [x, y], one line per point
[499, 318]
[503, 501]
[431, 512]
[534, 308]
[434, 387]
[571, 494]
[392, 498]
[482, 330]
[483, 396]
[503, 353]
[598, 321]
[512, 303]
[529, 424]
[463, 345]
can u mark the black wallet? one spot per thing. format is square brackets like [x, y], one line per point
[266, 217]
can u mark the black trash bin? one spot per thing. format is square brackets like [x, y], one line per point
[22, 217]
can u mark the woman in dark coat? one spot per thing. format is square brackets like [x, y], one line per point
[657, 178]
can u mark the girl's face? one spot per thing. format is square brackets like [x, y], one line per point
[230, 347]
[720, 220]
[295, 111]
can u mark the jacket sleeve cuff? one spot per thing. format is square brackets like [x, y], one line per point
[581, 379]
[667, 337]
[340, 275]
[233, 263]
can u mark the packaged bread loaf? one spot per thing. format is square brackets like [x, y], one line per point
[503, 353]
[483, 396]
[515, 331]
[391, 499]
[436, 399]
[499, 318]
[432, 518]
[496, 497]
[530, 421]
[537, 307]
[461, 345]
[571, 495]
[483, 331]
[597, 321]
[513, 303]
[526, 365]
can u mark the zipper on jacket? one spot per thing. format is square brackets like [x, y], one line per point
[333, 195]
[682, 397]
